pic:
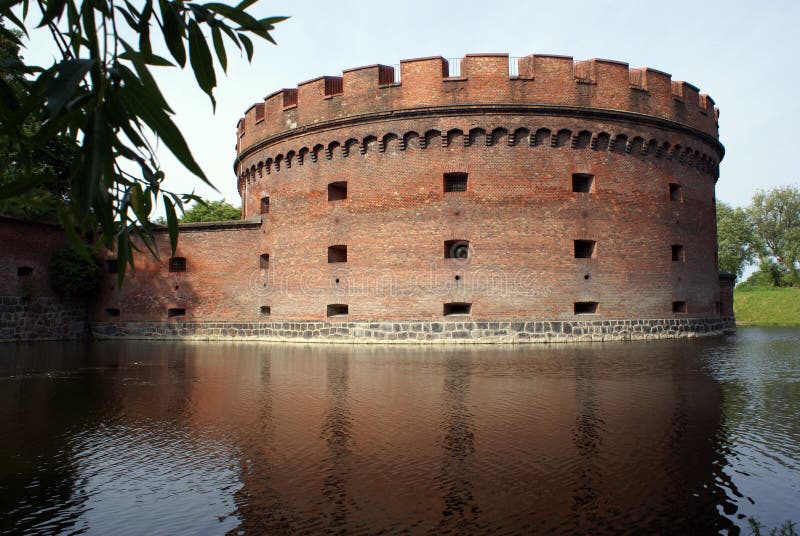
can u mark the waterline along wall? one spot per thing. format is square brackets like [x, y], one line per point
[570, 201]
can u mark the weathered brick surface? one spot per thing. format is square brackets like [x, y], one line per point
[519, 139]
[29, 309]
[221, 260]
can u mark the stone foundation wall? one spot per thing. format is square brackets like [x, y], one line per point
[41, 318]
[422, 331]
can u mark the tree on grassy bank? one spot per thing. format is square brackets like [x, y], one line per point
[735, 239]
[100, 94]
[775, 216]
[211, 211]
[205, 211]
[768, 230]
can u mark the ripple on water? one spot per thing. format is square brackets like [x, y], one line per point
[664, 437]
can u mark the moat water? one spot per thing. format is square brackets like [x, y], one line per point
[679, 437]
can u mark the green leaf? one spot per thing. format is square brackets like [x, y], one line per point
[145, 78]
[243, 19]
[5, 9]
[172, 223]
[248, 46]
[244, 4]
[53, 11]
[174, 30]
[139, 101]
[231, 34]
[273, 20]
[202, 63]
[219, 46]
[61, 88]
[132, 22]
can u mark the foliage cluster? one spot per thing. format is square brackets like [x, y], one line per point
[758, 529]
[101, 96]
[768, 230]
[73, 271]
[211, 211]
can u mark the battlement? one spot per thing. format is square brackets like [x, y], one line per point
[482, 79]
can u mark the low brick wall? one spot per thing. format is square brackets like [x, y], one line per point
[42, 318]
[422, 331]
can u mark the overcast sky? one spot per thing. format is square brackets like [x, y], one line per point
[741, 53]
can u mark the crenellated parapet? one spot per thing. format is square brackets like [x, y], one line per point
[543, 83]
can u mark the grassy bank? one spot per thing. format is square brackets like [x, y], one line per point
[767, 307]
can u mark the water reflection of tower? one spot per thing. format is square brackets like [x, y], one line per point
[337, 434]
[461, 510]
[259, 504]
[587, 437]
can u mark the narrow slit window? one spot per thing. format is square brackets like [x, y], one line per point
[112, 311]
[585, 249]
[582, 183]
[678, 254]
[265, 205]
[585, 307]
[175, 311]
[679, 307]
[265, 310]
[675, 192]
[337, 191]
[177, 264]
[455, 182]
[337, 253]
[263, 261]
[337, 309]
[24, 271]
[456, 249]
[112, 266]
[457, 308]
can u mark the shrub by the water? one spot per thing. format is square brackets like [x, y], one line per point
[787, 529]
[73, 271]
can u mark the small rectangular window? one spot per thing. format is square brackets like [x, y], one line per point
[176, 312]
[112, 267]
[585, 307]
[455, 182]
[584, 249]
[677, 253]
[337, 309]
[675, 192]
[582, 183]
[457, 308]
[679, 307]
[263, 261]
[265, 205]
[337, 253]
[456, 249]
[265, 310]
[24, 271]
[112, 311]
[337, 191]
[177, 264]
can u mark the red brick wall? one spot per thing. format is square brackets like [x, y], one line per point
[635, 130]
[542, 80]
[519, 212]
[220, 261]
[27, 244]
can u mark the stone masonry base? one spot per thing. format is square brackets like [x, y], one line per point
[24, 319]
[422, 332]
